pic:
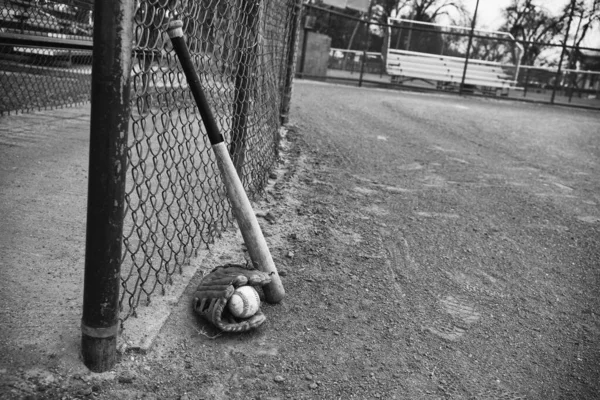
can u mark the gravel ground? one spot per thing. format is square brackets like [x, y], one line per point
[431, 246]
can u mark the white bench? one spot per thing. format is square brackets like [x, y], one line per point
[448, 71]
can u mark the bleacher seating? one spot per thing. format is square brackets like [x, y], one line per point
[47, 18]
[447, 70]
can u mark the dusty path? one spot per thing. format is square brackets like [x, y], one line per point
[488, 215]
[432, 247]
[435, 248]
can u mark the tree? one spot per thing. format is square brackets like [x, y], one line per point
[345, 33]
[429, 10]
[533, 26]
[422, 10]
[586, 15]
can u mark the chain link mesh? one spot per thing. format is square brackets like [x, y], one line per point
[45, 53]
[175, 200]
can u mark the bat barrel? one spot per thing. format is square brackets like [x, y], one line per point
[248, 224]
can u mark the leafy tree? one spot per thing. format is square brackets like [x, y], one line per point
[427, 10]
[423, 10]
[531, 24]
[586, 14]
[347, 33]
[344, 32]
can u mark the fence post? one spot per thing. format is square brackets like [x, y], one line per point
[526, 83]
[362, 68]
[246, 61]
[111, 70]
[562, 54]
[307, 22]
[289, 68]
[368, 37]
[572, 85]
[464, 75]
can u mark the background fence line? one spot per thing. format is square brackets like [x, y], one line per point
[356, 57]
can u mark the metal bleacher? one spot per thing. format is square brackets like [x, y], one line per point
[446, 71]
[449, 70]
[51, 25]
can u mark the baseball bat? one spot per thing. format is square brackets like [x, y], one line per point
[242, 209]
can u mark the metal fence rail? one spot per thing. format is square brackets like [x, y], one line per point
[45, 54]
[175, 202]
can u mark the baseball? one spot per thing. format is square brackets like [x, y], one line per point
[244, 303]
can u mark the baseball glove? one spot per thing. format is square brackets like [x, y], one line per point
[216, 288]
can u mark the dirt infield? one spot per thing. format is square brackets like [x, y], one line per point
[431, 246]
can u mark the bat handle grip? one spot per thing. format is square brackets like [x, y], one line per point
[175, 32]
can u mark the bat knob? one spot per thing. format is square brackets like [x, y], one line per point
[175, 29]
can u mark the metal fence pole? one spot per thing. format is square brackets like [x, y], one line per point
[572, 85]
[111, 70]
[362, 68]
[364, 57]
[562, 54]
[291, 56]
[464, 75]
[305, 31]
[526, 83]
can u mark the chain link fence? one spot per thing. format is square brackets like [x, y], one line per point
[175, 202]
[574, 87]
[45, 53]
[244, 53]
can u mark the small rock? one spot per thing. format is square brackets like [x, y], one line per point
[283, 272]
[122, 348]
[86, 378]
[279, 378]
[126, 377]
[184, 397]
[267, 216]
[85, 392]
[313, 385]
